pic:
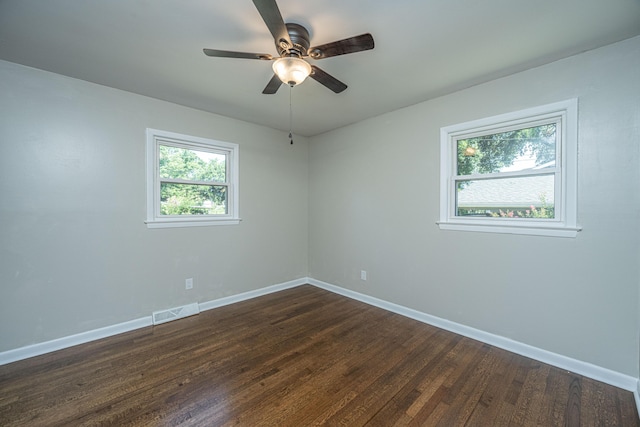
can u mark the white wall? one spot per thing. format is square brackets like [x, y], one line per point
[75, 254]
[373, 205]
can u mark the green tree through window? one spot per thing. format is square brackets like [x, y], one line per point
[491, 153]
[192, 182]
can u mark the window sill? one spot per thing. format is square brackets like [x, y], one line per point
[179, 222]
[526, 229]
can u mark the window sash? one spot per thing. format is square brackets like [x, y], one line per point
[495, 200]
[225, 205]
[502, 129]
[191, 147]
[556, 170]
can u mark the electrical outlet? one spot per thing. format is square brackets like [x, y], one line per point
[188, 284]
[363, 275]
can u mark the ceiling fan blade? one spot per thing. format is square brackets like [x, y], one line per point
[273, 85]
[342, 47]
[241, 55]
[271, 16]
[327, 80]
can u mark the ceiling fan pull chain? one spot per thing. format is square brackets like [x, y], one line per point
[290, 116]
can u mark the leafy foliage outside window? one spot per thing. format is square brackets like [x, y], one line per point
[531, 212]
[544, 211]
[491, 153]
[192, 182]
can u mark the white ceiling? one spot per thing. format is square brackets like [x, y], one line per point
[423, 49]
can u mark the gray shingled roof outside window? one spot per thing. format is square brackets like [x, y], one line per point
[507, 193]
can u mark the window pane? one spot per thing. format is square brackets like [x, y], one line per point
[186, 199]
[523, 197]
[517, 150]
[193, 165]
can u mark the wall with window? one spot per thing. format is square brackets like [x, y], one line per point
[374, 203]
[75, 253]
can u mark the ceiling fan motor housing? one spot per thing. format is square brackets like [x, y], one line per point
[299, 37]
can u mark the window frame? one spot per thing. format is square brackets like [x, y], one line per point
[565, 113]
[156, 138]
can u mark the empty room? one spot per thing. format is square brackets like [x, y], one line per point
[296, 213]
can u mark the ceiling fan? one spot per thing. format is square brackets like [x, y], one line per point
[292, 44]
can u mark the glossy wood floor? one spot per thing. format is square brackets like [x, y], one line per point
[300, 357]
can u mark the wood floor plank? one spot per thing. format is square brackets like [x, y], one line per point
[492, 402]
[530, 400]
[300, 357]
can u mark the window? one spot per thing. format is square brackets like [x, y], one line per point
[513, 173]
[191, 181]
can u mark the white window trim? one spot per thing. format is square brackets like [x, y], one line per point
[154, 138]
[565, 224]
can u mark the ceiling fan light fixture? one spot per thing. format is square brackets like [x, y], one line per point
[291, 70]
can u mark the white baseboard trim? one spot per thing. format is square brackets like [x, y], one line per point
[38, 349]
[586, 369]
[252, 294]
[72, 340]
[636, 394]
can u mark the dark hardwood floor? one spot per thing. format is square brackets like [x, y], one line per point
[300, 357]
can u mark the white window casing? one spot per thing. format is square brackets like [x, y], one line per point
[563, 172]
[230, 151]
